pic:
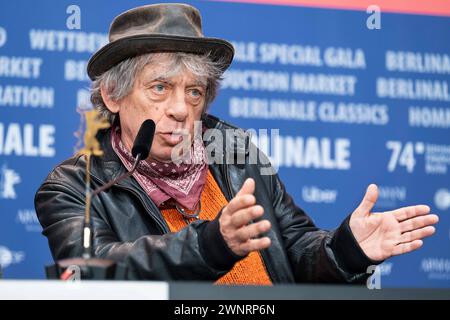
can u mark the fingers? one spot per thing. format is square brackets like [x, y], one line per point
[417, 234]
[244, 216]
[247, 188]
[415, 224]
[407, 247]
[410, 212]
[239, 202]
[412, 240]
[240, 236]
[418, 222]
[244, 198]
[368, 201]
[243, 240]
[256, 244]
[252, 231]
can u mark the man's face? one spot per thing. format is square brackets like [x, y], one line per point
[174, 103]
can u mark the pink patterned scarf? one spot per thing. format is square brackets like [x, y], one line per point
[163, 181]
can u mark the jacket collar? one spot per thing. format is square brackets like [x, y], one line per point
[109, 166]
[235, 140]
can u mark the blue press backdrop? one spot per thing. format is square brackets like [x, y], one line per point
[340, 128]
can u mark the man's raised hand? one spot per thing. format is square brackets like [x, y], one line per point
[241, 234]
[386, 234]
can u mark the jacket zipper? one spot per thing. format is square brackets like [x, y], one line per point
[227, 183]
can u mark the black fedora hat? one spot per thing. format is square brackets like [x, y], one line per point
[168, 27]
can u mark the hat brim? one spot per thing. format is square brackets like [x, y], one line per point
[127, 47]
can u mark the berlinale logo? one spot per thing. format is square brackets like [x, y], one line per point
[8, 257]
[442, 199]
[3, 37]
[8, 179]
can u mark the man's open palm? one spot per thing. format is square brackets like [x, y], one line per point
[390, 233]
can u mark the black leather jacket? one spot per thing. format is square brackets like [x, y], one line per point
[129, 228]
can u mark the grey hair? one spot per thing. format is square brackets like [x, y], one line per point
[119, 80]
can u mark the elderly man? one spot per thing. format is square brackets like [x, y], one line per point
[198, 219]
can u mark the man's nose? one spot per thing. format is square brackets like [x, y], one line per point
[178, 108]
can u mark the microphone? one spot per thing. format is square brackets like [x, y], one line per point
[88, 267]
[144, 139]
[141, 148]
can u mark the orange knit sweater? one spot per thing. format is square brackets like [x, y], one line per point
[248, 271]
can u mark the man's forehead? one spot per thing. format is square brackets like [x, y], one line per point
[170, 73]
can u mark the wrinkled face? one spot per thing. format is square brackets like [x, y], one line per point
[173, 102]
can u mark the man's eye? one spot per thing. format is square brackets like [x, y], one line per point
[196, 93]
[158, 88]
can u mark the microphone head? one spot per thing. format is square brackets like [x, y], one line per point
[144, 139]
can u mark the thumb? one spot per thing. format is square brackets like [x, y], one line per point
[247, 188]
[368, 201]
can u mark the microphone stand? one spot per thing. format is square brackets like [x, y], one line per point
[87, 267]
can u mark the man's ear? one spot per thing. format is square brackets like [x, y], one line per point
[112, 105]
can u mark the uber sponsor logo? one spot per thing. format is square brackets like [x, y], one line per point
[8, 179]
[316, 195]
[442, 199]
[8, 257]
